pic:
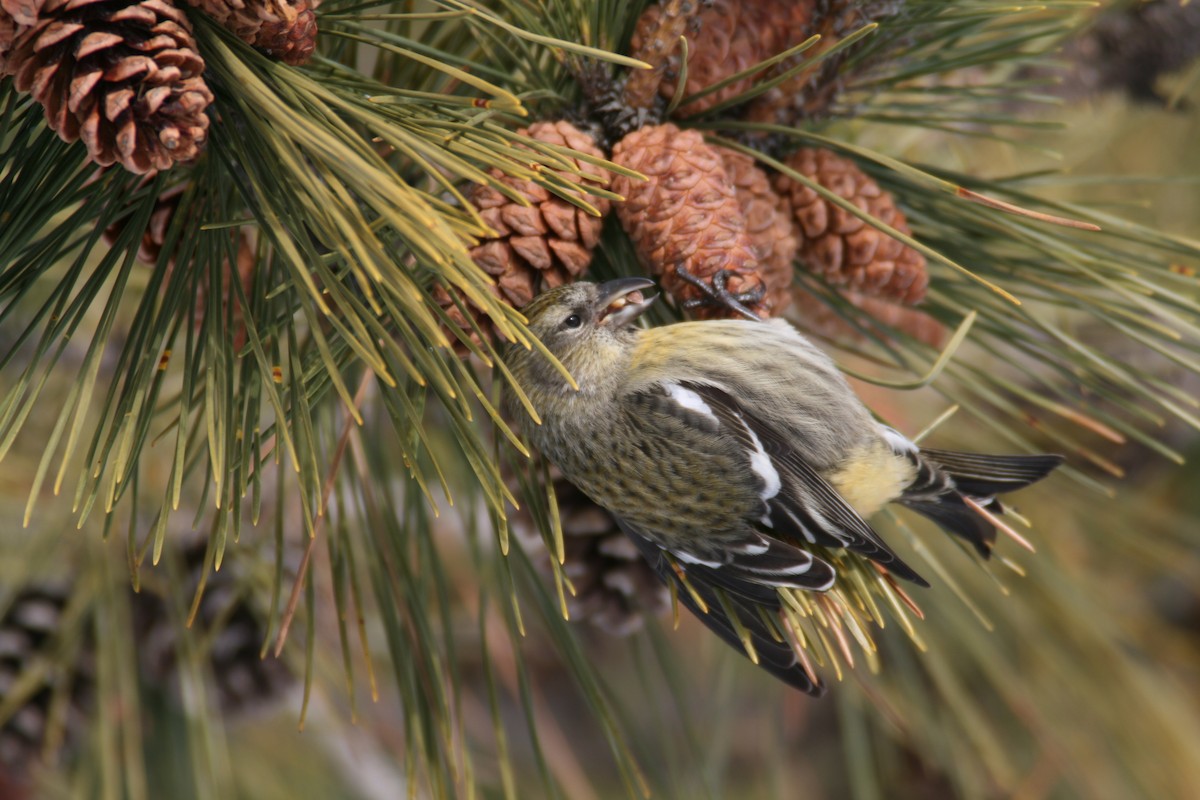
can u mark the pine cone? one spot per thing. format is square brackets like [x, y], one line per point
[539, 246]
[460, 311]
[687, 215]
[30, 632]
[226, 624]
[8, 32]
[16, 16]
[656, 41]
[615, 589]
[732, 35]
[155, 234]
[817, 318]
[772, 232]
[810, 93]
[123, 76]
[284, 29]
[166, 206]
[841, 247]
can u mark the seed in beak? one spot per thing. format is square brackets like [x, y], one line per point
[616, 305]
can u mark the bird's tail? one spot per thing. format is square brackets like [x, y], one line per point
[950, 487]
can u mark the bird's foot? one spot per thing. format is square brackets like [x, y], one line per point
[716, 293]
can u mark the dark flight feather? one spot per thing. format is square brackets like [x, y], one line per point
[777, 658]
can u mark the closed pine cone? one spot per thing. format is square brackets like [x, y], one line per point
[772, 232]
[656, 41]
[731, 36]
[123, 76]
[686, 215]
[811, 92]
[840, 247]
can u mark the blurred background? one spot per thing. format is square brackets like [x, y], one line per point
[414, 659]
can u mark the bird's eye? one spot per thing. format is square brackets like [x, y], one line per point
[573, 321]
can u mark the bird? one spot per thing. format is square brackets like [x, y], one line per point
[735, 454]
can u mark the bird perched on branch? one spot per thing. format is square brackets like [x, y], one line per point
[735, 453]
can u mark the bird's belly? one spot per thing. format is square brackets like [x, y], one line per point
[660, 484]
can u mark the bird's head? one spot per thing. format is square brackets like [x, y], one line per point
[589, 329]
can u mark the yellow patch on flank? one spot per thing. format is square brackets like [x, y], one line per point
[873, 477]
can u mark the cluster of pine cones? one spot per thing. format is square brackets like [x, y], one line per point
[721, 233]
[126, 77]
[52, 622]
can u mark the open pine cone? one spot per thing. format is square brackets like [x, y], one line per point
[614, 586]
[284, 29]
[123, 76]
[241, 268]
[226, 623]
[537, 246]
[30, 631]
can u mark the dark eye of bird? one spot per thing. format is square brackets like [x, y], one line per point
[573, 321]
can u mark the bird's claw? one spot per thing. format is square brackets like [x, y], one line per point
[716, 293]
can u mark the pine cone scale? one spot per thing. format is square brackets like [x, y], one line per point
[841, 247]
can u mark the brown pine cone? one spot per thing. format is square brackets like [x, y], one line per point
[687, 216]
[841, 247]
[150, 251]
[227, 625]
[809, 93]
[615, 589]
[124, 76]
[15, 16]
[155, 234]
[772, 232]
[284, 29]
[655, 41]
[460, 311]
[731, 36]
[31, 632]
[542, 245]
[816, 317]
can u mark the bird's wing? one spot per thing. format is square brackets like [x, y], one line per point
[733, 616]
[799, 505]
